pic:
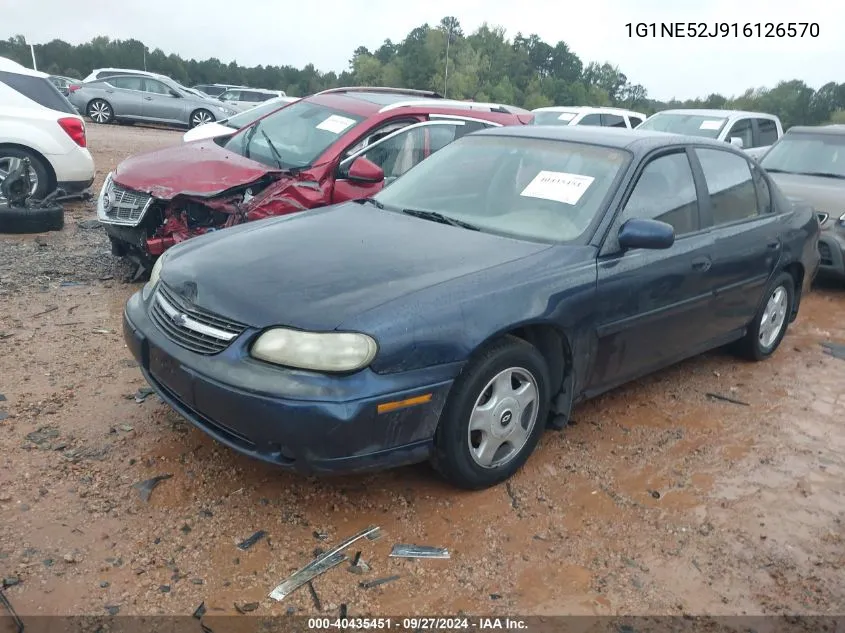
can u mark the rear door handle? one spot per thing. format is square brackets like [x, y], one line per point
[773, 245]
[702, 264]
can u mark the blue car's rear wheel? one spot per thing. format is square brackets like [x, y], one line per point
[494, 416]
[768, 328]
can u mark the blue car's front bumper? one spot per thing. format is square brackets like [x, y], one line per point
[303, 421]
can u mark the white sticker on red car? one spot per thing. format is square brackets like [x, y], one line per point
[558, 186]
[335, 124]
[710, 125]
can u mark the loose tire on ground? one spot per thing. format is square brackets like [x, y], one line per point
[497, 375]
[37, 220]
[769, 325]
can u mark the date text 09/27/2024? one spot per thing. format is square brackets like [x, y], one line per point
[723, 29]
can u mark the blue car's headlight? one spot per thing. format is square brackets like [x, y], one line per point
[155, 273]
[331, 351]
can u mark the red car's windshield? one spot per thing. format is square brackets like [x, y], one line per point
[294, 136]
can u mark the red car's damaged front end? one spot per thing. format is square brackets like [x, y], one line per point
[189, 190]
[335, 146]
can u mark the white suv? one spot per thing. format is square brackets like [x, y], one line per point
[587, 115]
[755, 132]
[246, 98]
[37, 122]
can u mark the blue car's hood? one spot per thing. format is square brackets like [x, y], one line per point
[316, 269]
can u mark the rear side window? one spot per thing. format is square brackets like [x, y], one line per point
[127, 83]
[38, 89]
[767, 131]
[764, 194]
[733, 195]
[742, 129]
[591, 119]
[612, 120]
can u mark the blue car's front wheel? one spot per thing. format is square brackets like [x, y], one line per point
[495, 415]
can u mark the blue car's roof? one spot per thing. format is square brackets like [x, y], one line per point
[636, 141]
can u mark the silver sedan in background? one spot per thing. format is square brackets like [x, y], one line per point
[153, 100]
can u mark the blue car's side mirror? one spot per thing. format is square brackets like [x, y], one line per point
[650, 234]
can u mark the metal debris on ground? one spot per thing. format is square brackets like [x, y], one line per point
[512, 495]
[199, 611]
[70, 284]
[378, 581]
[246, 608]
[252, 540]
[837, 350]
[320, 536]
[343, 611]
[2, 398]
[716, 396]
[142, 394]
[654, 494]
[322, 564]
[3, 415]
[314, 597]
[358, 566]
[145, 488]
[43, 312]
[89, 224]
[403, 550]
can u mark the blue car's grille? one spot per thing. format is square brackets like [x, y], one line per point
[192, 327]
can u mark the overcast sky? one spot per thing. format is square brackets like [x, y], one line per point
[326, 32]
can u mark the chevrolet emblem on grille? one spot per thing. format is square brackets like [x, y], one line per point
[180, 319]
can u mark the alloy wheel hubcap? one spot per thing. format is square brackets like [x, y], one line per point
[503, 417]
[10, 163]
[774, 317]
[99, 112]
[201, 118]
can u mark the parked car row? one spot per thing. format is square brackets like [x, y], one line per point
[510, 272]
[39, 124]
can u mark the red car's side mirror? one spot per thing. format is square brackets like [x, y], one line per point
[365, 171]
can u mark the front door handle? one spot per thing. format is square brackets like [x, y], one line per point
[773, 246]
[148, 98]
[702, 264]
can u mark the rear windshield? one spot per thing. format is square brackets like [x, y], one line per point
[688, 124]
[553, 118]
[38, 89]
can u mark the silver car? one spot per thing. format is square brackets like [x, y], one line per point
[150, 99]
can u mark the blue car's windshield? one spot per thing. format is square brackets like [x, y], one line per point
[293, 136]
[534, 189]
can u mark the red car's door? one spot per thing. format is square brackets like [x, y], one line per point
[396, 153]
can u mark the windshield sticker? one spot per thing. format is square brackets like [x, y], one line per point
[710, 125]
[558, 186]
[335, 124]
[566, 116]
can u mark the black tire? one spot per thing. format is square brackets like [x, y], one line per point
[452, 456]
[37, 220]
[202, 112]
[100, 111]
[751, 346]
[45, 178]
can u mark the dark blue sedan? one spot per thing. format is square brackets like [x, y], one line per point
[474, 301]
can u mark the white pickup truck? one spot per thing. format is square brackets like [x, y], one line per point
[754, 132]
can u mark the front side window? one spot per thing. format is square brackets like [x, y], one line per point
[742, 129]
[687, 124]
[293, 136]
[767, 132]
[733, 196]
[156, 87]
[535, 189]
[231, 95]
[808, 154]
[635, 121]
[613, 120]
[764, 194]
[398, 154]
[665, 191]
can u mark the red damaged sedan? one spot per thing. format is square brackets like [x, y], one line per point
[337, 145]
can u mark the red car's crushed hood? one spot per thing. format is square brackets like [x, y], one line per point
[201, 169]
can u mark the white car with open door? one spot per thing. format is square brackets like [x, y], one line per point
[37, 122]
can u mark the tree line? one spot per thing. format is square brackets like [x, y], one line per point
[483, 66]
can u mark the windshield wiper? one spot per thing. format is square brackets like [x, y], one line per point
[439, 217]
[372, 201]
[248, 138]
[276, 154]
[777, 171]
[822, 174]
